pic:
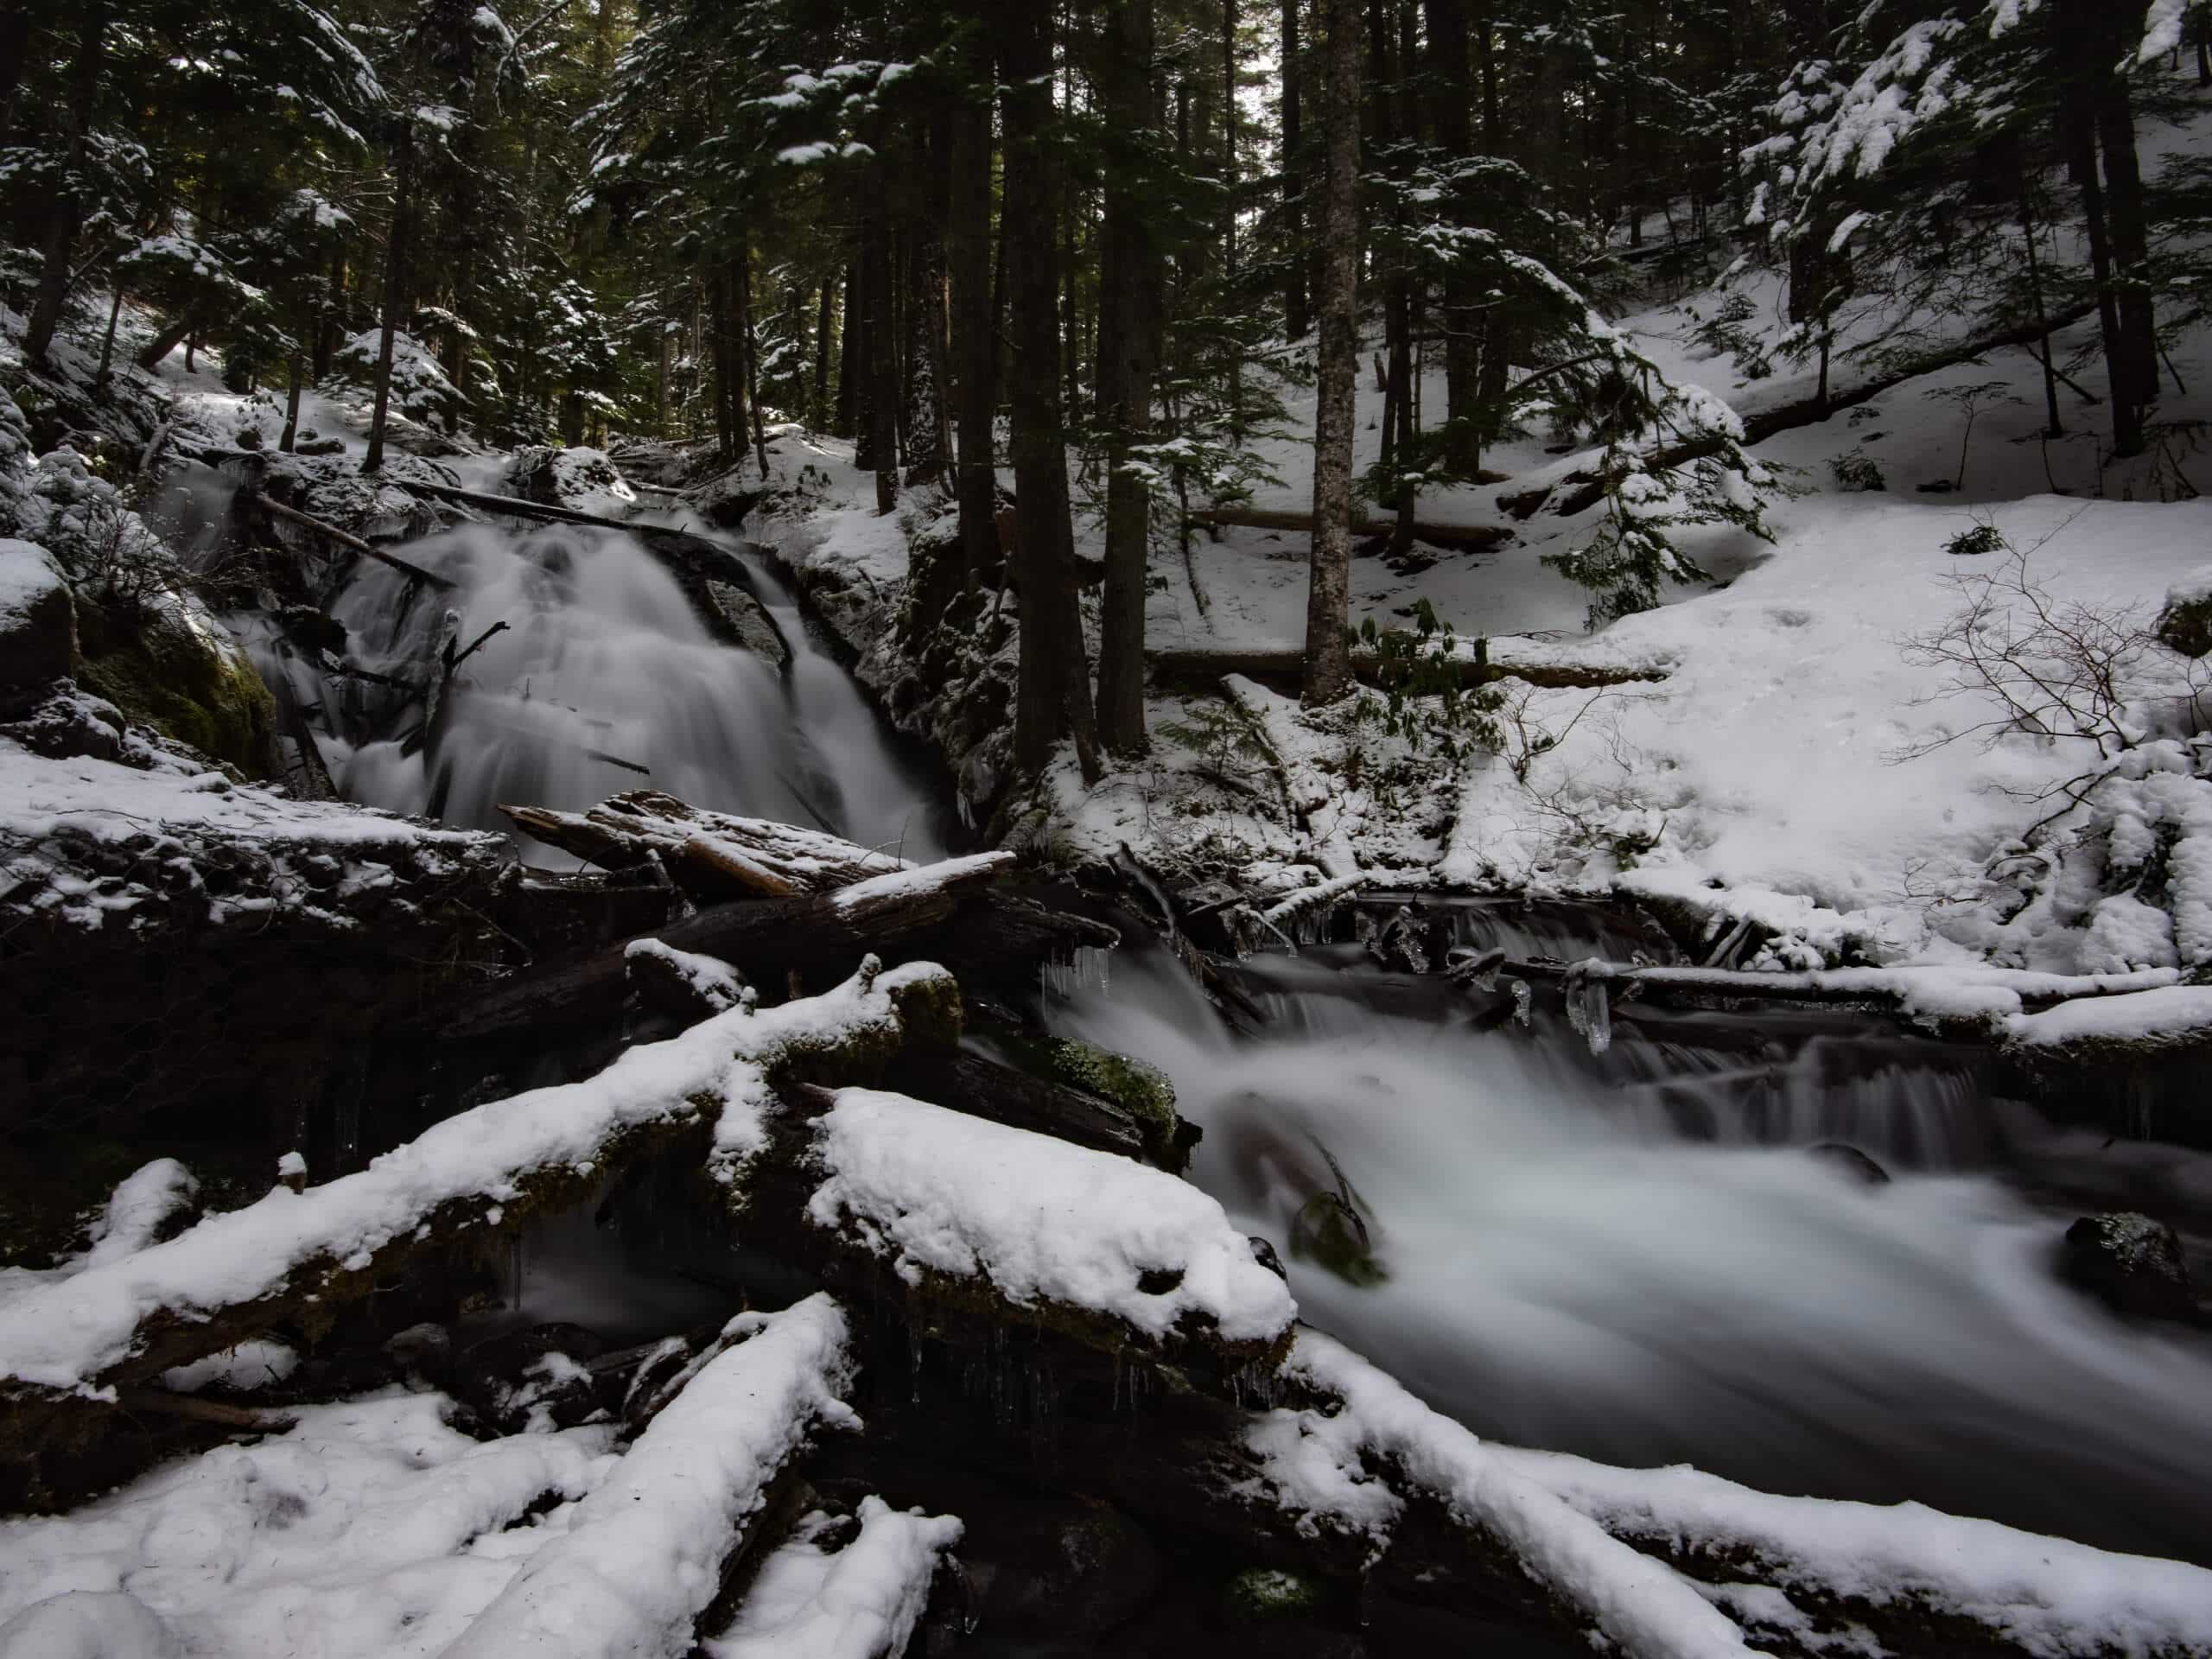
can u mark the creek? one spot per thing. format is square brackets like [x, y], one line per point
[1630, 1254]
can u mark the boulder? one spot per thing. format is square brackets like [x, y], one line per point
[581, 479]
[1851, 1163]
[750, 625]
[38, 625]
[2185, 624]
[1047, 1567]
[2130, 1261]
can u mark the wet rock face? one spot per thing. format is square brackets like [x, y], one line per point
[38, 625]
[1057, 1568]
[2131, 1263]
[1851, 1163]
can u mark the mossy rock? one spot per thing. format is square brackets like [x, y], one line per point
[1328, 1231]
[1260, 1595]
[2186, 625]
[193, 683]
[1140, 1088]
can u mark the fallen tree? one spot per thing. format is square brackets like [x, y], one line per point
[710, 854]
[1362, 524]
[1279, 666]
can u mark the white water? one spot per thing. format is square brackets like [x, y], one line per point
[603, 663]
[1568, 1272]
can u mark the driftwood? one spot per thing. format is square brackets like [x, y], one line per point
[351, 543]
[1281, 665]
[1588, 489]
[949, 916]
[1441, 535]
[711, 856]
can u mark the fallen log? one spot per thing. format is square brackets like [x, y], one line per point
[516, 505]
[1441, 535]
[1590, 489]
[1005, 1095]
[294, 1256]
[647, 1552]
[351, 543]
[1280, 666]
[712, 855]
[941, 910]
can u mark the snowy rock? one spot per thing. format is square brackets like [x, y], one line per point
[2130, 1262]
[2185, 623]
[87, 1624]
[38, 625]
[581, 479]
[750, 623]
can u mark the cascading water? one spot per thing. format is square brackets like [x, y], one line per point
[1566, 1268]
[602, 679]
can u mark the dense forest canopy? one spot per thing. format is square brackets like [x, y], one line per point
[963, 236]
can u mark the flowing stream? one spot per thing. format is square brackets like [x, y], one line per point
[1633, 1255]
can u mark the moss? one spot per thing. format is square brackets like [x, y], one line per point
[2185, 626]
[198, 689]
[1143, 1089]
[1259, 1594]
[1328, 1232]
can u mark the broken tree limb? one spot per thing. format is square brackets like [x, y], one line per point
[292, 1254]
[251, 1420]
[1281, 665]
[712, 855]
[647, 1552]
[514, 505]
[1441, 535]
[352, 542]
[940, 909]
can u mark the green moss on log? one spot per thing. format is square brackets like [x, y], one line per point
[1140, 1088]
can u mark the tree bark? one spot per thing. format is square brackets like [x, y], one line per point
[1452, 87]
[748, 340]
[1328, 610]
[67, 212]
[1130, 306]
[974, 347]
[851, 332]
[1052, 685]
[1296, 316]
[2130, 242]
[395, 267]
[882, 367]
[928, 434]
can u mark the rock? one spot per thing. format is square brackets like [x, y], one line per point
[71, 724]
[1278, 1612]
[1046, 1567]
[1849, 1161]
[750, 622]
[2185, 625]
[38, 625]
[583, 480]
[2130, 1261]
[183, 673]
[308, 444]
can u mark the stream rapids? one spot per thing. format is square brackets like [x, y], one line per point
[1632, 1255]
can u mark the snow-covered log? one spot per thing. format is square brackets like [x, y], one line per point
[860, 1602]
[237, 1272]
[712, 855]
[1281, 665]
[647, 1552]
[1019, 1228]
[942, 910]
[1808, 1575]
[1362, 524]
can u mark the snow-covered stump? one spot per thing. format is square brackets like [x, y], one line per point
[964, 1225]
[66, 1345]
[648, 1552]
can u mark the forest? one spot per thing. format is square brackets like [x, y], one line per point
[1328, 827]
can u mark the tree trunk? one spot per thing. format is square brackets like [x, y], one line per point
[1328, 610]
[2130, 242]
[292, 404]
[1453, 110]
[67, 212]
[2053, 425]
[882, 368]
[929, 443]
[1053, 682]
[825, 322]
[1296, 317]
[728, 441]
[1130, 329]
[851, 332]
[748, 338]
[974, 347]
[395, 267]
[2082, 153]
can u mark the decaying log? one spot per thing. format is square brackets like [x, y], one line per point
[712, 855]
[974, 1084]
[941, 911]
[1441, 535]
[250, 1419]
[237, 1273]
[351, 543]
[1279, 666]
[514, 504]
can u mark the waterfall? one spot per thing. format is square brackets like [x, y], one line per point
[601, 679]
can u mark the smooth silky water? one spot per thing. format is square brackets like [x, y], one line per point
[1573, 1266]
[1635, 1258]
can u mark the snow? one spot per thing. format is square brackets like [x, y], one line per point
[2141, 1016]
[2050, 1598]
[252, 1364]
[142, 1202]
[1041, 1221]
[27, 575]
[65, 1334]
[716, 981]
[370, 1530]
[928, 878]
[1322, 1462]
[641, 1557]
[860, 1602]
